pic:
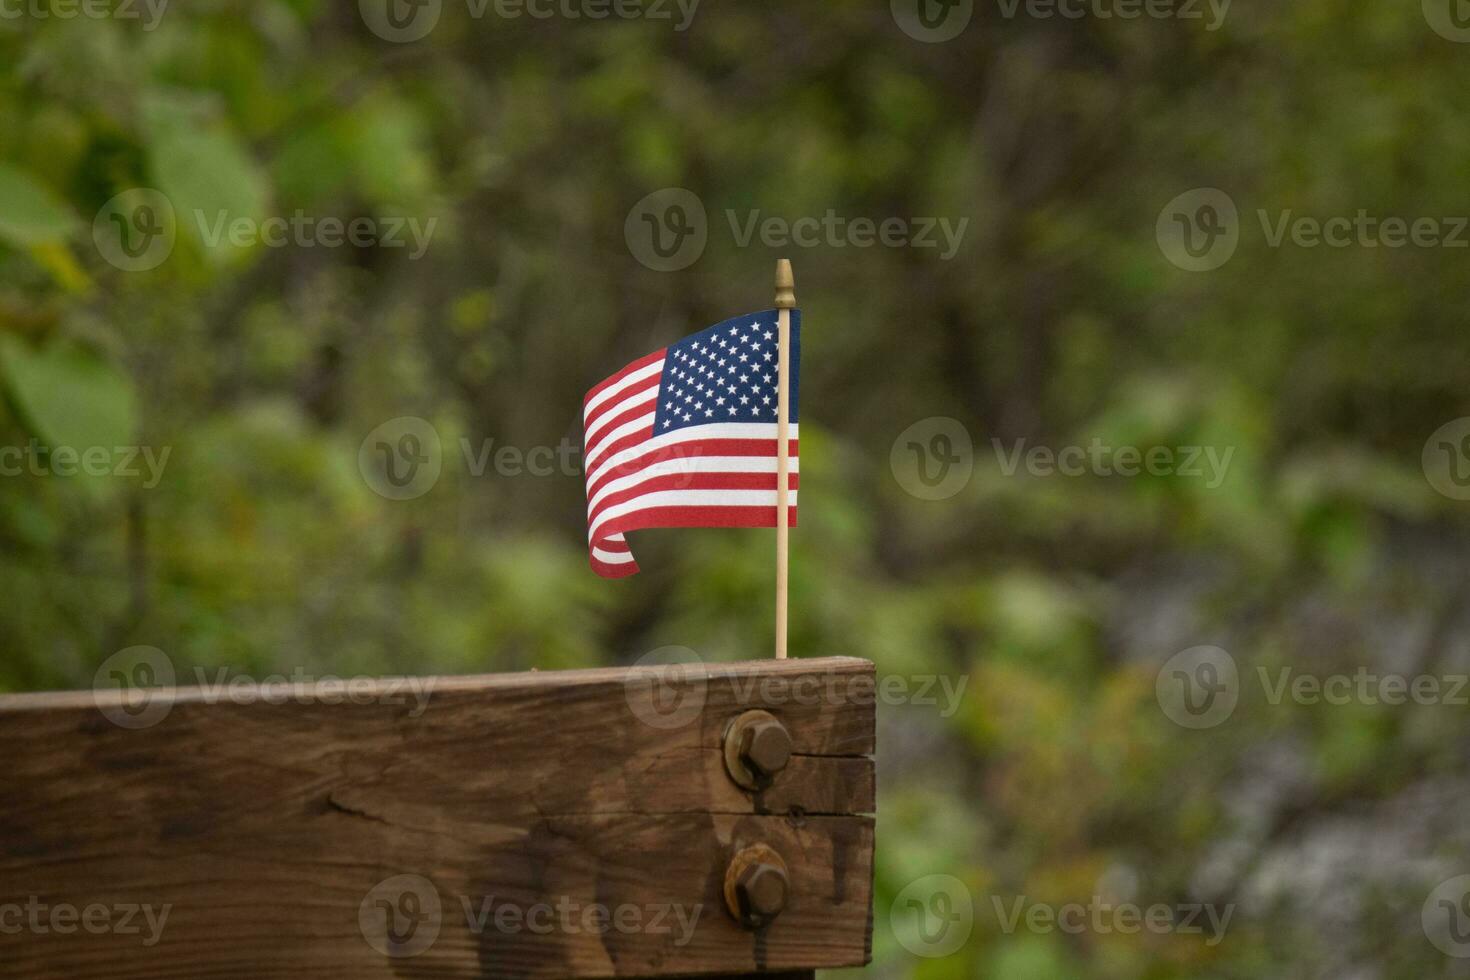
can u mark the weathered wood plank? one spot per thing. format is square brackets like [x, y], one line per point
[529, 810]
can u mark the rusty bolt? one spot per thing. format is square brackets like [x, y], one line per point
[757, 748]
[756, 886]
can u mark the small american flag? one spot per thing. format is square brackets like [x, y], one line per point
[686, 437]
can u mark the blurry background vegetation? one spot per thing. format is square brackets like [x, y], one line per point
[1059, 320]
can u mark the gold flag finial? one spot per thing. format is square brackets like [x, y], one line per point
[785, 286]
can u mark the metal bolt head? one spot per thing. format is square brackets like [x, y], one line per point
[767, 748]
[762, 889]
[757, 748]
[757, 886]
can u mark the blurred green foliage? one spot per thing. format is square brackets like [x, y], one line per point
[261, 370]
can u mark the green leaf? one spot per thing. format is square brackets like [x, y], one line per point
[67, 396]
[208, 176]
[30, 214]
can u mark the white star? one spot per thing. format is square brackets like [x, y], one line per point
[709, 412]
[746, 357]
[666, 425]
[767, 355]
[743, 401]
[720, 400]
[768, 335]
[732, 409]
[687, 416]
[734, 330]
[744, 378]
[744, 337]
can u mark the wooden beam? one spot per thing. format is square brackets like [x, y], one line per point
[546, 825]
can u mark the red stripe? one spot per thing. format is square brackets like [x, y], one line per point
[619, 444]
[720, 516]
[694, 481]
[624, 415]
[607, 570]
[634, 393]
[609, 382]
[687, 450]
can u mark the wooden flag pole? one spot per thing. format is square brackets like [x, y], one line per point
[785, 303]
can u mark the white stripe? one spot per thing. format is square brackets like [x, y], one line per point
[689, 498]
[613, 558]
[641, 374]
[690, 464]
[626, 429]
[642, 398]
[694, 433]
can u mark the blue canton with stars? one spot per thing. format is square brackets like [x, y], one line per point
[726, 373]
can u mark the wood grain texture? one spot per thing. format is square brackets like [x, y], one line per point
[549, 825]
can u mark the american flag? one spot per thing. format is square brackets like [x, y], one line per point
[686, 437]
